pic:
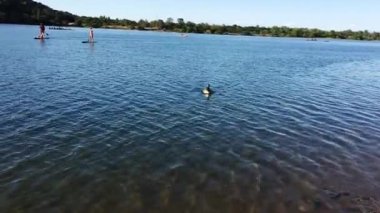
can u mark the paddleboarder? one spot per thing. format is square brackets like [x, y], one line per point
[91, 35]
[42, 31]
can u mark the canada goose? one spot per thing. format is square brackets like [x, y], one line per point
[207, 90]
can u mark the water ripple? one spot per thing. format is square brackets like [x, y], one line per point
[125, 128]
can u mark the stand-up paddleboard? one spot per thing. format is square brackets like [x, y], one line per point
[41, 38]
[88, 42]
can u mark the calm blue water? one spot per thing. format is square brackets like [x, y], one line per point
[121, 125]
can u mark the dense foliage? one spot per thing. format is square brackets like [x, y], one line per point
[30, 12]
[189, 27]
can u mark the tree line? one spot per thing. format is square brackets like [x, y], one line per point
[189, 27]
[30, 12]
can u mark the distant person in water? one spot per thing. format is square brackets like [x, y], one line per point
[42, 31]
[91, 35]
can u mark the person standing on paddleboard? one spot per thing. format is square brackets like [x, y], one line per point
[91, 35]
[42, 31]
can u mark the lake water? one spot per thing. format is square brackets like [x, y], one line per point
[121, 125]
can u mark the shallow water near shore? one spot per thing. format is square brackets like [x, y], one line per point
[121, 125]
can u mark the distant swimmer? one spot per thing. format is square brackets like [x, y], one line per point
[42, 31]
[207, 90]
[91, 36]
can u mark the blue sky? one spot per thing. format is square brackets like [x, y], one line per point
[323, 14]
